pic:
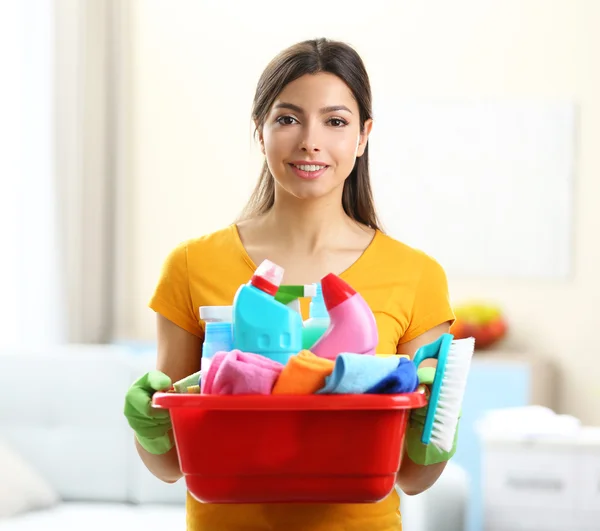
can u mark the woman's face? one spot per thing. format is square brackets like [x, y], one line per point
[311, 136]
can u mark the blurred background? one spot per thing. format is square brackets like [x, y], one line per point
[126, 129]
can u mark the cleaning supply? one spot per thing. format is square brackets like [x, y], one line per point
[352, 327]
[240, 373]
[181, 386]
[318, 319]
[218, 332]
[426, 375]
[356, 373]
[403, 379]
[151, 425]
[425, 454]
[447, 389]
[218, 337]
[303, 374]
[261, 324]
[380, 355]
[216, 314]
[291, 449]
[291, 295]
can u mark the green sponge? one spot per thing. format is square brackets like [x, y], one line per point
[182, 385]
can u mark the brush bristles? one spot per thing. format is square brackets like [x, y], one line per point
[452, 392]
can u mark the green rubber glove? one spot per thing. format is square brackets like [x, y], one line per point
[419, 453]
[151, 425]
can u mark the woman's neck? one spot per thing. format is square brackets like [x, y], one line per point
[307, 226]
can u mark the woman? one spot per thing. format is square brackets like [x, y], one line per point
[312, 213]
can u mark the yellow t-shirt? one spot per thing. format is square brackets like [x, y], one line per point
[408, 294]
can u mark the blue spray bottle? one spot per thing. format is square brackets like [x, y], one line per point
[262, 325]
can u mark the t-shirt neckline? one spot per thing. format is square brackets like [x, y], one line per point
[368, 249]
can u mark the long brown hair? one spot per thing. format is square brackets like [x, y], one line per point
[312, 57]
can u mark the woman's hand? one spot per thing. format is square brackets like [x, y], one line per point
[420, 453]
[151, 425]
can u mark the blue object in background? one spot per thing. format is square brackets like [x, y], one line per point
[491, 385]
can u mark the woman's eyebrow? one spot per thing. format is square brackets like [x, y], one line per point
[299, 110]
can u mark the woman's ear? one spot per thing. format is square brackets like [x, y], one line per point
[364, 137]
[259, 135]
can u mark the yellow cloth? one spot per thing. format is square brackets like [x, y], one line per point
[388, 355]
[303, 374]
[408, 293]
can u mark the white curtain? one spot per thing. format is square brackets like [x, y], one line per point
[93, 177]
[32, 306]
[60, 163]
[83, 165]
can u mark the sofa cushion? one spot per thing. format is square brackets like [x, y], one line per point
[74, 516]
[62, 410]
[22, 488]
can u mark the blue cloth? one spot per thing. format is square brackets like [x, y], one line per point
[403, 379]
[355, 373]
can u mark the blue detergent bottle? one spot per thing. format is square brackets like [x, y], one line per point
[262, 325]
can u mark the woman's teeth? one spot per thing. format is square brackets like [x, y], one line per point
[309, 167]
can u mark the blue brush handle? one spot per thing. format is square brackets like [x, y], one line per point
[439, 350]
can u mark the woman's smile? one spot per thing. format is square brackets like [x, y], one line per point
[309, 170]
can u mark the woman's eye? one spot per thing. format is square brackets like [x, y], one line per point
[337, 122]
[286, 120]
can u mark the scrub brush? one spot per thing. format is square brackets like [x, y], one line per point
[448, 387]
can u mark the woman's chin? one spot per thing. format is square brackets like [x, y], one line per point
[313, 194]
[312, 190]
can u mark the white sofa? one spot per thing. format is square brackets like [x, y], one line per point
[61, 417]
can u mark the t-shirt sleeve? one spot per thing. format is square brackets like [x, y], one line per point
[172, 297]
[431, 305]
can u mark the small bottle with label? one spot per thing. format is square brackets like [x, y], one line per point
[218, 333]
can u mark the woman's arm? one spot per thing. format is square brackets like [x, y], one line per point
[179, 355]
[412, 478]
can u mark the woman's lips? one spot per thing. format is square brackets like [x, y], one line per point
[308, 175]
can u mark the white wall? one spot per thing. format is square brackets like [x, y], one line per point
[193, 163]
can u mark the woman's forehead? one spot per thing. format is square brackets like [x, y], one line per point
[316, 92]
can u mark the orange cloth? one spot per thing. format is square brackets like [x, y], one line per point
[408, 293]
[303, 374]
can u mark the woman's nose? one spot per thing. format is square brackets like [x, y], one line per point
[310, 148]
[309, 142]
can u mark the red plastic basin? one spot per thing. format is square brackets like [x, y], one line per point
[289, 448]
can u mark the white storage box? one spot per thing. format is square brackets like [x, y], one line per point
[541, 481]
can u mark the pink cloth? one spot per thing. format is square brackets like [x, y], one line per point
[240, 373]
